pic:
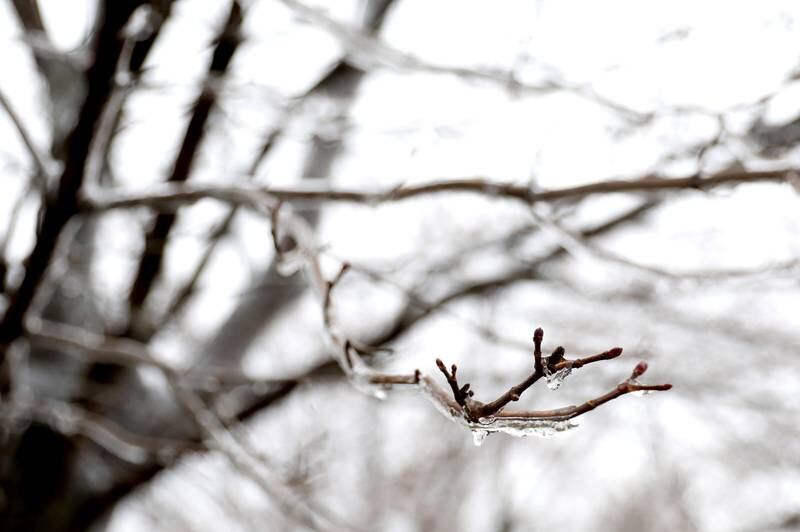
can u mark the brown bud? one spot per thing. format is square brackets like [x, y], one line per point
[639, 370]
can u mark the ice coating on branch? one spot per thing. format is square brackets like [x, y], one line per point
[518, 427]
[441, 400]
[362, 381]
[556, 379]
[638, 393]
[478, 436]
[523, 427]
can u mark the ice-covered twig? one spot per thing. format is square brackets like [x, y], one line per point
[475, 410]
[485, 418]
[292, 237]
[573, 411]
[481, 418]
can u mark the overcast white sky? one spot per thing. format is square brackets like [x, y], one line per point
[410, 126]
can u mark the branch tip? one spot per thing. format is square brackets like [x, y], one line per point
[538, 335]
[639, 370]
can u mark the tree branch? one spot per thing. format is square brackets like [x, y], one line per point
[170, 197]
[480, 417]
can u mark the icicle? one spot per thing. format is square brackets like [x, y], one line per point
[556, 379]
[521, 427]
[543, 428]
[478, 436]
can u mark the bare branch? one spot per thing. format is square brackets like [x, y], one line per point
[170, 197]
[107, 46]
[227, 42]
[475, 410]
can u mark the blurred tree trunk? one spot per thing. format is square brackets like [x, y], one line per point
[53, 482]
[48, 478]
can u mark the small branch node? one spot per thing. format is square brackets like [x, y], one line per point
[556, 357]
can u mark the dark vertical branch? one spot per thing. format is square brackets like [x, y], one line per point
[150, 265]
[64, 204]
[37, 466]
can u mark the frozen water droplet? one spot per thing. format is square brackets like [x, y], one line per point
[379, 394]
[556, 379]
[478, 436]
